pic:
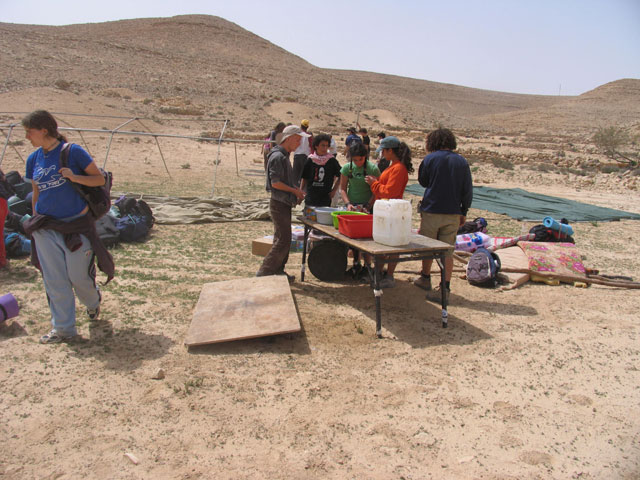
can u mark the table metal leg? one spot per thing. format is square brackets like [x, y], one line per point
[378, 294]
[443, 293]
[304, 252]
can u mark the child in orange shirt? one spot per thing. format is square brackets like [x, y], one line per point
[392, 183]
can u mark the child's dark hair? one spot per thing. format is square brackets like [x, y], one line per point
[43, 120]
[441, 139]
[357, 149]
[323, 137]
[403, 152]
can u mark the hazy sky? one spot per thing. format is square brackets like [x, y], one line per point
[523, 46]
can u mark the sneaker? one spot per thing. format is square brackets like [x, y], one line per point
[94, 313]
[423, 282]
[387, 282]
[54, 337]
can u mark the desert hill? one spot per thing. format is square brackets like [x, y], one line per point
[539, 382]
[206, 66]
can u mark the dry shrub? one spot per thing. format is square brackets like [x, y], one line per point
[62, 84]
[502, 163]
[611, 169]
[111, 94]
[182, 111]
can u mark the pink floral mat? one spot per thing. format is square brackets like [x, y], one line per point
[554, 259]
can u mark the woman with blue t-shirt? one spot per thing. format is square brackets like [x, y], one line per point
[65, 241]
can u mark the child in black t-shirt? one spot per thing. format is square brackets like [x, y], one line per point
[321, 174]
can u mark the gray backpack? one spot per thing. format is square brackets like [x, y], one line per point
[483, 268]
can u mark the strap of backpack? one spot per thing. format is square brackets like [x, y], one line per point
[64, 163]
[64, 155]
[496, 258]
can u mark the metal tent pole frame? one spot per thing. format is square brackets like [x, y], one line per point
[217, 162]
[117, 130]
[4, 149]
[113, 132]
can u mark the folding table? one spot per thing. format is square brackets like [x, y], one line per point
[418, 248]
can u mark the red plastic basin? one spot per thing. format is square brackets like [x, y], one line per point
[356, 226]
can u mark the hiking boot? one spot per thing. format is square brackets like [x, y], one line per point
[93, 314]
[366, 275]
[387, 282]
[290, 278]
[355, 271]
[423, 282]
[436, 295]
[55, 337]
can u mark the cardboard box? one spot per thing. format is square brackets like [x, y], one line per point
[261, 246]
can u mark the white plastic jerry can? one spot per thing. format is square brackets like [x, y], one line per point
[392, 222]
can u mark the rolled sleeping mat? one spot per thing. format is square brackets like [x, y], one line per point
[563, 228]
[9, 307]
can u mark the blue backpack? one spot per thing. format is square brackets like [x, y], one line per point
[132, 228]
[483, 268]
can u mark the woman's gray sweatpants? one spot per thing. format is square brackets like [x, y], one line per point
[64, 271]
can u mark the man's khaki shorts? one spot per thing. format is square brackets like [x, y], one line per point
[443, 227]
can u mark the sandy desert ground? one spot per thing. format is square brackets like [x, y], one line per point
[540, 382]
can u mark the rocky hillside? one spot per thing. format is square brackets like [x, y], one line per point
[206, 66]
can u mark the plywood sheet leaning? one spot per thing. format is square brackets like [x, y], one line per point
[513, 258]
[241, 309]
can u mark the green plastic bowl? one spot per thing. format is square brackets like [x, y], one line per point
[343, 212]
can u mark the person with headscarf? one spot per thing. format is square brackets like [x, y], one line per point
[321, 174]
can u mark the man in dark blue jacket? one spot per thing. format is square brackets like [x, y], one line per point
[447, 197]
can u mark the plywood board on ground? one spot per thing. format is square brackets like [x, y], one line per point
[241, 309]
[514, 257]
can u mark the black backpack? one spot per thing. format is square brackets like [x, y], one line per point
[477, 225]
[545, 234]
[136, 219]
[98, 198]
[6, 188]
[483, 268]
[20, 187]
[132, 206]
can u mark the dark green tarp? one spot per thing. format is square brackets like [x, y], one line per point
[533, 207]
